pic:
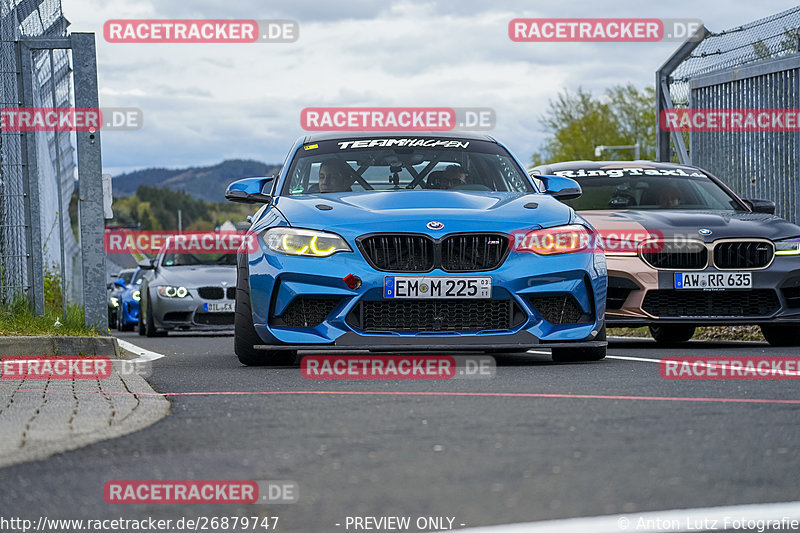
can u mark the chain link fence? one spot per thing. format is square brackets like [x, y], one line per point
[41, 237]
[755, 66]
[770, 37]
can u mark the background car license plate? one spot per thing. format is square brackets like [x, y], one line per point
[434, 287]
[218, 307]
[713, 280]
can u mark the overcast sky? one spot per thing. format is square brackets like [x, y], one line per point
[203, 103]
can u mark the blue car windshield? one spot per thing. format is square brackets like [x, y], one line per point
[403, 164]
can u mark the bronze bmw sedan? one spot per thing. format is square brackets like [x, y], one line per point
[683, 250]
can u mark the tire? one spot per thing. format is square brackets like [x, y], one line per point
[150, 327]
[245, 336]
[112, 319]
[781, 335]
[566, 354]
[671, 334]
[140, 324]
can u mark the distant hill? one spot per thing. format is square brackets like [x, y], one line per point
[202, 183]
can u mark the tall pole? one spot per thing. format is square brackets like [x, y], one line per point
[90, 184]
[60, 196]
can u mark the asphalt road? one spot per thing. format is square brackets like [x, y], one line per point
[647, 445]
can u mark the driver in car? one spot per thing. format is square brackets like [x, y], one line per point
[669, 196]
[453, 176]
[334, 177]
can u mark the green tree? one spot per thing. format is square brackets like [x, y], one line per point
[155, 208]
[579, 122]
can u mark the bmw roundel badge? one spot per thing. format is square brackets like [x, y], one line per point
[434, 225]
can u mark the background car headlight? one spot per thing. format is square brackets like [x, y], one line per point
[557, 240]
[788, 247]
[114, 301]
[306, 242]
[173, 292]
[136, 295]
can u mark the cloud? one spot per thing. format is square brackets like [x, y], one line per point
[205, 103]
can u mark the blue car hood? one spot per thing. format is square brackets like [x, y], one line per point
[410, 211]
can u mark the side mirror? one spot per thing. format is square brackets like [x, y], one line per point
[560, 188]
[250, 190]
[120, 283]
[147, 264]
[761, 206]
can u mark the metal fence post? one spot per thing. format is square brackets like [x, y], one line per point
[90, 184]
[664, 101]
[62, 241]
[30, 184]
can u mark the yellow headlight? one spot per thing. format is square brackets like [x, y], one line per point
[304, 242]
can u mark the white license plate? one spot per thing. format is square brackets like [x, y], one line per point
[218, 307]
[435, 287]
[713, 280]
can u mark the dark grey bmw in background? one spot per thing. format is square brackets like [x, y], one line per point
[683, 250]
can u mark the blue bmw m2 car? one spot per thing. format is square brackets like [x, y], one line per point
[409, 242]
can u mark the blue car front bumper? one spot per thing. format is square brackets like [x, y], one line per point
[304, 303]
[130, 311]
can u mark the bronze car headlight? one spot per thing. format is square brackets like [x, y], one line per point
[788, 247]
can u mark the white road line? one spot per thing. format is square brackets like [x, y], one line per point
[144, 355]
[778, 516]
[721, 365]
[626, 358]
